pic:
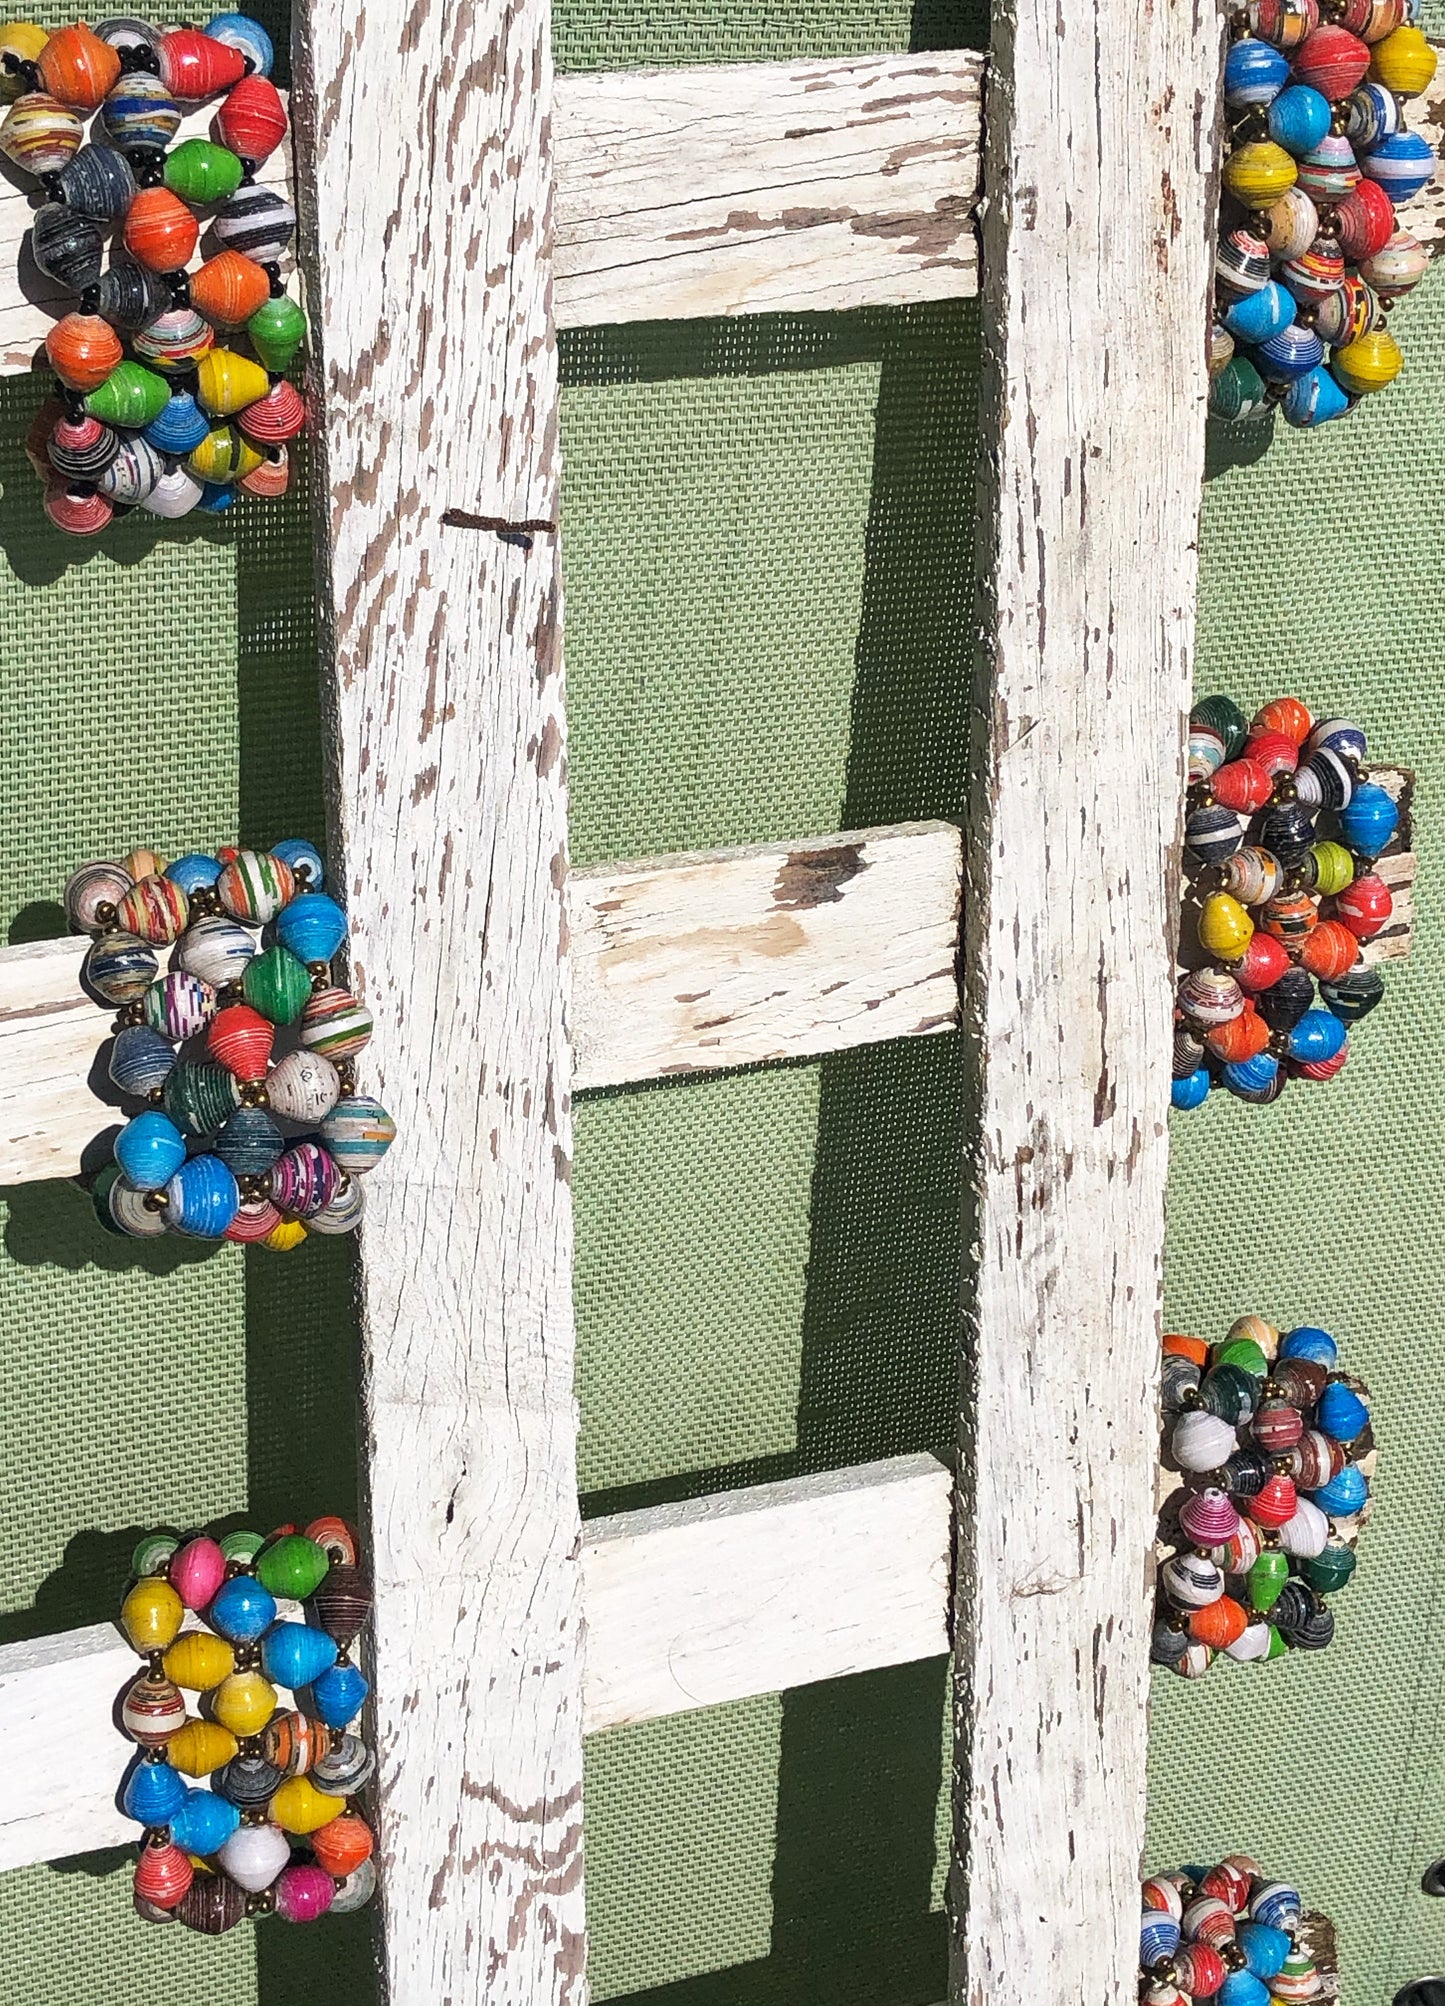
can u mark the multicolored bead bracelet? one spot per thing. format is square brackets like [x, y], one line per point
[149, 410]
[1311, 256]
[214, 1617]
[1282, 834]
[1234, 1935]
[243, 1052]
[1268, 1461]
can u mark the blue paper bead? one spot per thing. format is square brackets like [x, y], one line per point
[239, 31]
[1299, 118]
[337, 1696]
[1192, 1091]
[1370, 820]
[1277, 1905]
[154, 1794]
[1314, 400]
[295, 1655]
[1294, 352]
[140, 1059]
[195, 872]
[1343, 1495]
[312, 927]
[1242, 1988]
[1372, 113]
[216, 499]
[1265, 1949]
[1262, 315]
[150, 1149]
[204, 1822]
[1341, 1412]
[1251, 1076]
[1158, 1936]
[1254, 73]
[1402, 164]
[1318, 1035]
[203, 1198]
[179, 429]
[1307, 1340]
[243, 1610]
[296, 850]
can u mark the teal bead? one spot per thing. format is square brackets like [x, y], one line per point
[1222, 715]
[203, 1823]
[200, 1099]
[1331, 1570]
[312, 927]
[294, 1655]
[202, 1198]
[100, 1191]
[338, 1695]
[154, 1794]
[1343, 1495]
[150, 1149]
[249, 1143]
[140, 1060]
[243, 1610]
[1368, 821]
[358, 1132]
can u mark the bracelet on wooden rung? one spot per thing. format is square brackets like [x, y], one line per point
[158, 404]
[1234, 1935]
[244, 1051]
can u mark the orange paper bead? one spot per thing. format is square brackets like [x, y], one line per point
[1330, 952]
[1287, 715]
[1192, 1348]
[343, 1845]
[161, 233]
[83, 350]
[1243, 1037]
[229, 288]
[1220, 1625]
[271, 478]
[77, 68]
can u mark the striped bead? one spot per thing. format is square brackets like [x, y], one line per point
[240, 1039]
[133, 473]
[335, 1024]
[83, 350]
[140, 1060]
[1252, 875]
[1330, 170]
[303, 1087]
[254, 1221]
[305, 862]
[152, 1711]
[271, 479]
[346, 1768]
[128, 296]
[156, 910]
[252, 121]
[1348, 314]
[223, 456]
[196, 67]
[1210, 997]
[342, 1603]
[160, 232]
[337, 1538]
[276, 984]
[1372, 20]
[1290, 354]
[174, 341]
[77, 68]
[1398, 267]
[312, 926]
[179, 1005]
[67, 245]
[199, 171]
[1292, 224]
[1330, 952]
[295, 1744]
[217, 950]
[1190, 1581]
[200, 1098]
[240, 31]
[201, 1201]
[1404, 62]
[1286, 23]
[1290, 918]
[1332, 62]
[254, 886]
[343, 1214]
[90, 888]
[276, 417]
[39, 134]
[131, 396]
[1403, 164]
[125, 33]
[1371, 115]
[1215, 833]
[1259, 172]
[163, 1874]
[78, 511]
[140, 115]
[127, 1210]
[306, 1179]
[1315, 276]
[1254, 74]
[1299, 118]
[356, 1890]
[257, 222]
[120, 968]
[1241, 263]
[358, 1132]
[229, 289]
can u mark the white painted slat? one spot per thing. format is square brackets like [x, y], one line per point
[680, 964]
[688, 1605]
[738, 188]
[1099, 124]
[424, 155]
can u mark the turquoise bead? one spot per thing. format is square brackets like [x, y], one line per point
[295, 1655]
[1369, 821]
[239, 31]
[153, 1794]
[1341, 1412]
[296, 851]
[1307, 1341]
[202, 1198]
[1265, 1949]
[1242, 1988]
[337, 1696]
[1299, 118]
[150, 1149]
[1343, 1495]
[358, 1132]
[204, 1822]
[312, 927]
[1192, 1091]
[243, 1610]
[1262, 315]
[194, 872]
[140, 1060]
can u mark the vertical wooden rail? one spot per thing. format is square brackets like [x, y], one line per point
[1099, 174]
[426, 180]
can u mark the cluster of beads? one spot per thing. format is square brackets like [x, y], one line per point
[207, 1616]
[1311, 257]
[1230, 1934]
[1277, 1453]
[158, 404]
[244, 1051]
[1275, 903]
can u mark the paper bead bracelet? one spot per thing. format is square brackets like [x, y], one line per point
[1268, 1460]
[1234, 1935]
[183, 418]
[1312, 256]
[218, 1618]
[1282, 833]
[243, 1053]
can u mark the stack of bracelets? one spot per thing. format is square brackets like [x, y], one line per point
[1232, 1935]
[1277, 1455]
[154, 427]
[241, 1139]
[1311, 257]
[1281, 838]
[206, 1616]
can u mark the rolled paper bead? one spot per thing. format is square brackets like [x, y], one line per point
[1237, 393]
[199, 1099]
[1239, 1554]
[1168, 1644]
[252, 121]
[202, 1198]
[125, 33]
[215, 498]
[337, 1697]
[152, 1554]
[67, 244]
[140, 1060]
[1245, 1037]
[301, 1808]
[1329, 171]
[1208, 1518]
[1371, 116]
[337, 1538]
[228, 289]
[120, 967]
[285, 1236]
[1307, 1532]
[179, 1005]
[1219, 351]
[1289, 355]
[1397, 268]
[150, 1149]
[1195, 1662]
[1257, 1080]
[23, 40]
[223, 456]
[1318, 1035]
[1363, 907]
[131, 396]
[275, 418]
[1333, 781]
[1245, 1472]
[194, 872]
[1372, 20]
[162, 1875]
[128, 296]
[358, 1132]
[160, 232]
[343, 1844]
[1267, 1578]
[1254, 74]
[293, 1654]
[201, 172]
[254, 1856]
[257, 222]
[1403, 164]
[1331, 951]
[1188, 1052]
[179, 428]
[240, 1039]
[254, 885]
[249, 1780]
[1299, 118]
[1314, 399]
[1369, 821]
[201, 1747]
[248, 1145]
[1290, 918]
[1286, 23]
[217, 950]
[313, 927]
[303, 1087]
[1252, 1645]
[197, 1571]
[155, 910]
[276, 330]
[1257, 1331]
[255, 1220]
[77, 68]
[1200, 1970]
[153, 1793]
[39, 134]
[302, 857]
[212, 1905]
[1355, 995]
[1162, 1891]
[343, 1214]
[1332, 61]
[1190, 1090]
[1190, 1581]
[199, 1661]
[244, 1703]
[342, 1603]
[1263, 963]
[277, 984]
[1241, 264]
[346, 1767]
[1404, 62]
[1241, 785]
[1260, 314]
[1259, 172]
[272, 478]
[356, 1890]
[174, 341]
[152, 1711]
[294, 1743]
[1230, 1393]
[121, 1206]
[1302, 1374]
[193, 66]
[1242, 1988]
[1265, 1948]
[305, 1180]
[1317, 1457]
[1208, 1919]
[292, 1567]
[304, 1893]
[1274, 1504]
[1342, 1413]
[1158, 1934]
[1275, 751]
[83, 350]
[1304, 1623]
[1286, 1001]
[78, 511]
[1287, 832]
[1291, 224]
[1225, 928]
[1330, 1570]
[89, 888]
[239, 31]
[139, 114]
[1277, 1426]
[204, 1822]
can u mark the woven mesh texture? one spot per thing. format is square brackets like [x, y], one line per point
[1329, 1766]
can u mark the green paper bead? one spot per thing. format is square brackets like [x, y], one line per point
[131, 396]
[277, 330]
[200, 1099]
[1330, 1570]
[1226, 718]
[1244, 1354]
[152, 1553]
[100, 1199]
[1334, 868]
[242, 1546]
[1267, 1578]
[293, 1567]
[1277, 1647]
[200, 171]
[276, 984]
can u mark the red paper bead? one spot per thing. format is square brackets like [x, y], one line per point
[1277, 1426]
[252, 121]
[196, 66]
[1275, 751]
[77, 68]
[1243, 1037]
[1286, 715]
[1200, 1969]
[1275, 1505]
[1366, 221]
[1333, 62]
[78, 511]
[1330, 951]
[1324, 1069]
[1263, 964]
[161, 233]
[271, 478]
[162, 1875]
[1242, 786]
[1365, 906]
[83, 350]
[240, 1039]
[273, 419]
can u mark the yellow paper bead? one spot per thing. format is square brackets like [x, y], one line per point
[1369, 363]
[143, 864]
[244, 1703]
[226, 382]
[224, 456]
[281, 1239]
[199, 1661]
[200, 1747]
[1257, 1331]
[300, 1807]
[1225, 928]
[1259, 173]
[151, 1615]
[23, 40]
[1404, 62]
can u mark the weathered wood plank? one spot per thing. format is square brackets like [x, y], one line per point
[424, 153]
[682, 963]
[1099, 124]
[690, 1605]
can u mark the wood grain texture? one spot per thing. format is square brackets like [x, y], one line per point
[679, 964]
[424, 144]
[1424, 214]
[689, 1605]
[1100, 127]
[767, 187]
